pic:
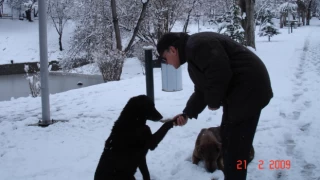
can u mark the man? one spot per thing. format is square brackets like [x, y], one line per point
[227, 74]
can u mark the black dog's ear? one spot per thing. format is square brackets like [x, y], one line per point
[133, 106]
[138, 106]
[149, 109]
[142, 107]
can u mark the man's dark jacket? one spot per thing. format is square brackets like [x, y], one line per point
[225, 73]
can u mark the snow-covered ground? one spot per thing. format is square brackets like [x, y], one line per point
[19, 41]
[288, 128]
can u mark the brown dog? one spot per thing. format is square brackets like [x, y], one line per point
[208, 148]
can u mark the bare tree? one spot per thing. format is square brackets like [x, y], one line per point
[101, 30]
[93, 32]
[162, 16]
[59, 12]
[190, 8]
[286, 9]
[29, 7]
[136, 28]
[305, 8]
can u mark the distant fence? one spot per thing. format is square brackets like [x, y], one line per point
[18, 68]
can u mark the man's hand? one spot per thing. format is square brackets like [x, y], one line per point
[212, 109]
[181, 121]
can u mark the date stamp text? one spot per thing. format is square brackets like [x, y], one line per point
[271, 164]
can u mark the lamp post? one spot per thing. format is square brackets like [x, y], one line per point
[44, 73]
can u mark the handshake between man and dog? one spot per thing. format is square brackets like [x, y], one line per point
[129, 141]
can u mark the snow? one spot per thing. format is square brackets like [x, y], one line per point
[244, 15]
[19, 41]
[147, 47]
[288, 127]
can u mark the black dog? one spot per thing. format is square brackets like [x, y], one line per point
[130, 139]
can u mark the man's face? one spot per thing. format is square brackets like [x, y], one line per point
[171, 56]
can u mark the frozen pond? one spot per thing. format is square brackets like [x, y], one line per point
[17, 85]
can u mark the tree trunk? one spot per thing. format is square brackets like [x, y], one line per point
[269, 38]
[136, 29]
[303, 18]
[116, 24]
[281, 21]
[159, 28]
[60, 42]
[309, 13]
[185, 26]
[28, 15]
[166, 20]
[247, 6]
[35, 14]
[249, 28]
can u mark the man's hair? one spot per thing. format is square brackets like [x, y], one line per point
[167, 40]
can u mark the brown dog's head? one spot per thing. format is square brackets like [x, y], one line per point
[209, 149]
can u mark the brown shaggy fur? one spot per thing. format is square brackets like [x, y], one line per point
[208, 148]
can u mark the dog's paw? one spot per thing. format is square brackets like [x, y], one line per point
[169, 121]
[172, 119]
[166, 120]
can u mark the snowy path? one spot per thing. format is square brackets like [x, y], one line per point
[302, 146]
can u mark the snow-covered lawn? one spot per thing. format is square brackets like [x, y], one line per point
[288, 128]
[19, 41]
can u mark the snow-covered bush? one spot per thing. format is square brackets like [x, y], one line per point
[110, 64]
[267, 27]
[288, 8]
[34, 82]
[231, 24]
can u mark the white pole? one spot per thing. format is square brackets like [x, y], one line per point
[44, 64]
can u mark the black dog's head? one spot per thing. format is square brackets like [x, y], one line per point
[143, 108]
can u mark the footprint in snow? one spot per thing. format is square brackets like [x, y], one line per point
[283, 115]
[307, 103]
[209, 119]
[2, 154]
[305, 127]
[299, 83]
[295, 115]
[307, 170]
[280, 175]
[289, 142]
[299, 74]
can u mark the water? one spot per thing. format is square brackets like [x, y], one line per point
[17, 85]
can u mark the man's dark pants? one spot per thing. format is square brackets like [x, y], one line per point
[237, 137]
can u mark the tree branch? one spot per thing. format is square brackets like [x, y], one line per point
[136, 29]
